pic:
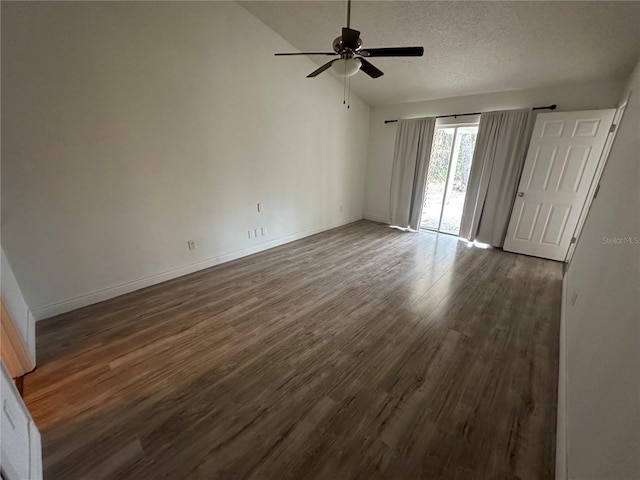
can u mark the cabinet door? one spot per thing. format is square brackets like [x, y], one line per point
[20, 440]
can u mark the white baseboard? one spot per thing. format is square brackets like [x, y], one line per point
[63, 306]
[376, 218]
[561, 426]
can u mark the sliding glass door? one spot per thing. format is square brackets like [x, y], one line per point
[449, 167]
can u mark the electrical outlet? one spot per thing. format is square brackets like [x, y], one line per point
[255, 232]
[191, 244]
[249, 233]
[263, 231]
[260, 206]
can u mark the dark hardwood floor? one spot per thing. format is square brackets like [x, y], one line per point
[361, 352]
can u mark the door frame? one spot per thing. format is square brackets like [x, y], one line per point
[595, 184]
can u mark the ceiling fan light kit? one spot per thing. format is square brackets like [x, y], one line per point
[346, 67]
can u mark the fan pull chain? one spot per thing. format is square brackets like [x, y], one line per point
[344, 90]
[349, 94]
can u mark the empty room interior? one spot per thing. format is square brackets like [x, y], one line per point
[320, 240]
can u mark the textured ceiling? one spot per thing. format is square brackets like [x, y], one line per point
[470, 47]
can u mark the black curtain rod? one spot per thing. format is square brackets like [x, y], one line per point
[456, 115]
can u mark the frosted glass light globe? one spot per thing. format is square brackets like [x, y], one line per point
[346, 67]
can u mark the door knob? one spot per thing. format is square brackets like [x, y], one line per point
[521, 194]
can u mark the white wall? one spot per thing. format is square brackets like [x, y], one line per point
[130, 128]
[382, 137]
[601, 348]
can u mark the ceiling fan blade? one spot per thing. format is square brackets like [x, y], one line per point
[393, 52]
[305, 53]
[350, 38]
[317, 72]
[369, 69]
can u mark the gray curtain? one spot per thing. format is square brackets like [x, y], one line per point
[410, 166]
[501, 147]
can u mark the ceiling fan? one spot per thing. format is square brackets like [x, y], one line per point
[353, 57]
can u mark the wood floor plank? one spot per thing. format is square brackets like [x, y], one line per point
[361, 352]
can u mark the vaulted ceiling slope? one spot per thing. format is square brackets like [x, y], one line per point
[470, 47]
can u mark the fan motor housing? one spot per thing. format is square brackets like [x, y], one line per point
[338, 46]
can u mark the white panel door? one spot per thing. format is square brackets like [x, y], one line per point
[561, 162]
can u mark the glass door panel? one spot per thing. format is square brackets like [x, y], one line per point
[447, 179]
[437, 177]
[458, 179]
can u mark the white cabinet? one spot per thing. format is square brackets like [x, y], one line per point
[20, 450]
[18, 309]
